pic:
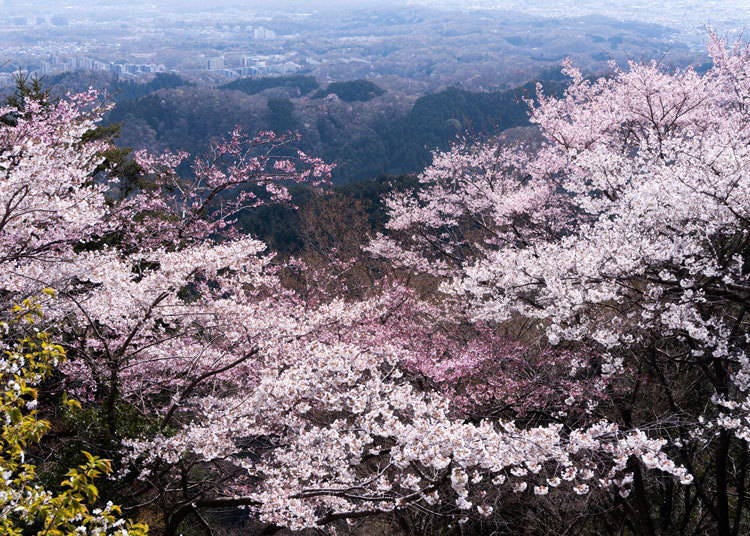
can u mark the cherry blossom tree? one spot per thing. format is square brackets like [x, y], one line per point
[624, 236]
[217, 386]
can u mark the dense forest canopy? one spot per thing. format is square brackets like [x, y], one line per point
[356, 90]
[253, 86]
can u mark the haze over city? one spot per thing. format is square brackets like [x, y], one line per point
[328, 38]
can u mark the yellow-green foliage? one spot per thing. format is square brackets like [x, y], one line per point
[28, 357]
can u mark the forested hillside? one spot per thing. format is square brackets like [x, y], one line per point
[252, 86]
[366, 133]
[356, 90]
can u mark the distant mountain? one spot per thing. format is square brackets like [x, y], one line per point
[253, 86]
[111, 86]
[356, 90]
[383, 135]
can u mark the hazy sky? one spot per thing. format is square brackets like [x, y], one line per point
[687, 11]
[725, 15]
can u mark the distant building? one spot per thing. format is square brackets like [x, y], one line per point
[215, 64]
[250, 71]
[262, 34]
[83, 63]
[288, 67]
